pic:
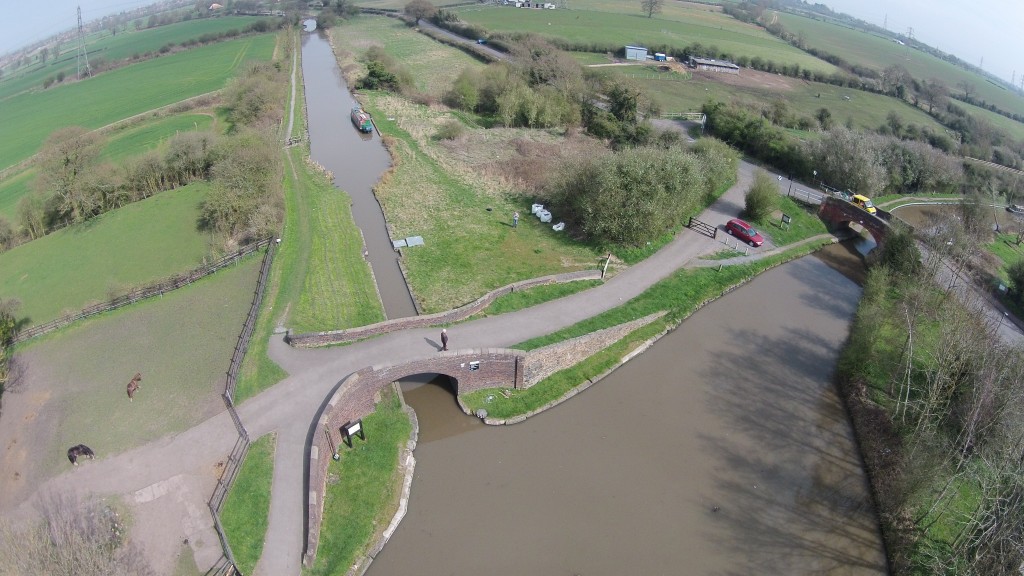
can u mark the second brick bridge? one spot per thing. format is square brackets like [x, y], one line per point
[836, 213]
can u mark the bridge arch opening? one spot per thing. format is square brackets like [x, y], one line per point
[432, 397]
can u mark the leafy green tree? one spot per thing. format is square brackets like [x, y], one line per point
[762, 197]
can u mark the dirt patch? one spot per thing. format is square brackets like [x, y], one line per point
[748, 78]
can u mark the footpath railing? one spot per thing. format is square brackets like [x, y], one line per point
[138, 294]
[228, 567]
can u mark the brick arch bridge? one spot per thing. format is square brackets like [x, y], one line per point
[836, 212]
[469, 370]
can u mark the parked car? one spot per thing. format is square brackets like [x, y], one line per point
[744, 231]
[864, 202]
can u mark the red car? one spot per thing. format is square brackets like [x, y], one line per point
[744, 231]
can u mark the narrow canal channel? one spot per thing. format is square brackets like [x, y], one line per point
[357, 162]
[723, 449]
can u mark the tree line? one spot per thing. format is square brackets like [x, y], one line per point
[74, 184]
[936, 400]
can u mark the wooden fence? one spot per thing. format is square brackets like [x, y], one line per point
[227, 566]
[138, 294]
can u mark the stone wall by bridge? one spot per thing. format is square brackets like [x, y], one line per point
[544, 362]
[835, 212]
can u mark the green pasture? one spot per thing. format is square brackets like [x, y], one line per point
[630, 27]
[865, 109]
[104, 46]
[181, 343]
[150, 134]
[363, 489]
[1009, 125]
[12, 189]
[246, 511]
[866, 49]
[27, 119]
[433, 65]
[135, 245]
[123, 143]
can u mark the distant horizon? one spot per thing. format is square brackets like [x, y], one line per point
[986, 30]
[971, 33]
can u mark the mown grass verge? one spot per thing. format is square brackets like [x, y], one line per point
[680, 295]
[363, 488]
[804, 223]
[246, 511]
[521, 299]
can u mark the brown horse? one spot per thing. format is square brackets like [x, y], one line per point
[134, 385]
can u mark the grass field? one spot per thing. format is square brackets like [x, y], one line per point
[150, 134]
[122, 144]
[623, 24]
[181, 343]
[866, 110]
[12, 189]
[132, 246]
[434, 65]
[27, 119]
[362, 489]
[858, 47]
[246, 511]
[104, 46]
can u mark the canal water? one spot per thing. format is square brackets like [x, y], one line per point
[723, 449]
[357, 162]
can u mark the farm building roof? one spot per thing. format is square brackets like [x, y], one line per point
[713, 62]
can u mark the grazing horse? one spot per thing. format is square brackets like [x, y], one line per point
[134, 385]
[81, 450]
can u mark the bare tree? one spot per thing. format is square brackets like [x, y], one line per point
[967, 87]
[63, 161]
[420, 9]
[72, 538]
[652, 7]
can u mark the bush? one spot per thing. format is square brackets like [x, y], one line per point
[900, 254]
[1016, 275]
[450, 130]
[762, 198]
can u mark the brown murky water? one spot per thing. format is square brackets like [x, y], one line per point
[357, 162]
[721, 450]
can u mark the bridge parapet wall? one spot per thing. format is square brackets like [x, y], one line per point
[315, 339]
[835, 212]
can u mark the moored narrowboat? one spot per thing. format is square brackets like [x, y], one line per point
[361, 120]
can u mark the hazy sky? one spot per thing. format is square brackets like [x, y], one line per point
[25, 22]
[975, 29]
[972, 30]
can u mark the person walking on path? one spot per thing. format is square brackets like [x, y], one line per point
[444, 339]
[515, 220]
